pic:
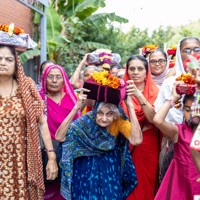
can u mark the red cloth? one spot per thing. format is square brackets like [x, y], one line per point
[145, 156]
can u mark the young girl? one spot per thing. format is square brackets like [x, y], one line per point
[182, 179]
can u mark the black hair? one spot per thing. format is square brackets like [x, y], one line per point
[188, 97]
[43, 64]
[161, 51]
[138, 57]
[118, 66]
[188, 38]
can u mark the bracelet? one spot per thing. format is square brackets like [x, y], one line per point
[78, 70]
[50, 150]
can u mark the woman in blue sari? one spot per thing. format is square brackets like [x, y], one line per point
[96, 162]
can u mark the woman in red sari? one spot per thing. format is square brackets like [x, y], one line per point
[145, 155]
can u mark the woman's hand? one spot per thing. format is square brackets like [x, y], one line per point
[131, 89]
[51, 169]
[175, 96]
[82, 97]
[84, 60]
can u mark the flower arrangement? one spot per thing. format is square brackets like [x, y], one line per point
[148, 49]
[106, 79]
[11, 29]
[171, 63]
[171, 51]
[106, 59]
[186, 78]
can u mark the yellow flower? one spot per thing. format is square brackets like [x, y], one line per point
[106, 79]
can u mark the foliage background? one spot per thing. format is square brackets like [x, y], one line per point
[74, 29]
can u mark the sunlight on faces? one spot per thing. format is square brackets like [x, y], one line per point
[105, 116]
[137, 71]
[7, 62]
[157, 63]
[55, 80]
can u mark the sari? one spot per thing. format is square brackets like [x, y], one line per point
[56, 113]
[95, 164]
[145, 155]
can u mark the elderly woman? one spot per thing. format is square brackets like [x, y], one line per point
[59, 99]
[96, 162]
[21, 112]
[144, 156]
[158, 63]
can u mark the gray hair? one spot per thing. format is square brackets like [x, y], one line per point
[91, 67]
[112, 107]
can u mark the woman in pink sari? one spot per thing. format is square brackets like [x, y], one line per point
[59, 99]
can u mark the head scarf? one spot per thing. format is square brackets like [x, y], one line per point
[67, 103]
[84, 138]
[179, 63]
[158, 79]
[33, 106]
[150, 93]
[174, 115]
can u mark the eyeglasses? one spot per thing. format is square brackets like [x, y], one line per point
[160, 62]
[51, 78]
[188, 50]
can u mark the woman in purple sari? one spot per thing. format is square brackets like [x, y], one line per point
[59, 99]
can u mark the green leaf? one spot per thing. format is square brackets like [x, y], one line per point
[25, 56]
[104, 17]
[94, 45]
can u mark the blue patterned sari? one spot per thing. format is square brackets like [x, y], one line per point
[95, 164]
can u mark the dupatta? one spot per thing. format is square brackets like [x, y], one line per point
[55, 112]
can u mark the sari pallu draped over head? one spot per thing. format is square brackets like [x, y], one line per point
[55, 112]
[150, 93]
[33, 106]
[86, 138]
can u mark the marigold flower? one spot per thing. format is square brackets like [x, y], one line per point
[106, 79]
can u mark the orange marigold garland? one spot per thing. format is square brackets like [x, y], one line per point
[106, 79]
[188, 86]
[11, 29]
[148, 49]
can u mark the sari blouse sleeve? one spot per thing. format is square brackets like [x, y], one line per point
[121, 126]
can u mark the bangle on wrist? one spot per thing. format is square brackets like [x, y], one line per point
[50, 150]
[78, 70]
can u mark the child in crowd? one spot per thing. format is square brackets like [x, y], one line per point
[182, 179]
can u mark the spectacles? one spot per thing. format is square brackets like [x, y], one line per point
[188, 50]
[51, 78]
[160, 62]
